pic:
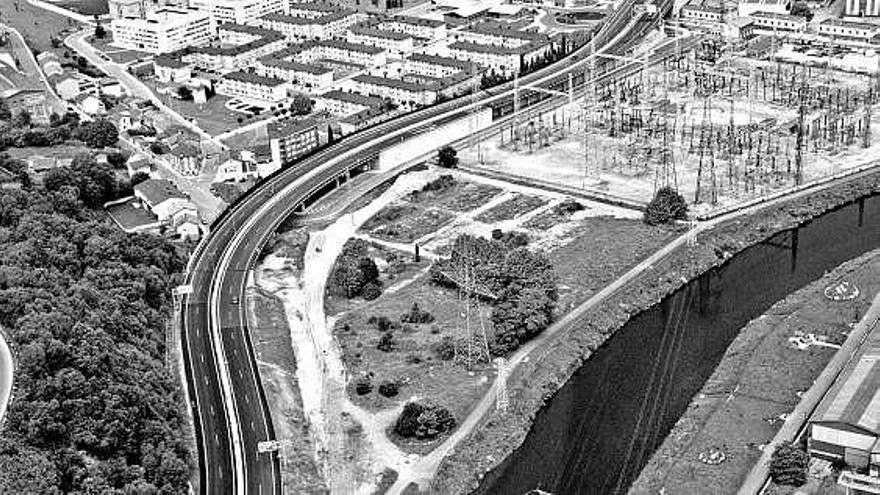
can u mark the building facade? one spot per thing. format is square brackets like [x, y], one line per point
[252, 87]
[239, 11]
[163, 31]
[291, 140]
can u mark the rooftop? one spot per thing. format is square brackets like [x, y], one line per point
[248, 29]
[367, 101]
[277, 130]
[166, 61]
[849, 24]
[247, 77]
[273, 61]
[315, 7]
[129, 216]
[391, 83]
[415, 21]
[157, 191]
[379, 33]
[438, 60]
[351, 47]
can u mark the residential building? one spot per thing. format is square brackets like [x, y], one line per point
[291, 140]
[90, 104]
[448, 86]
[352, 53]
[862, 8]
[30, 100]
[239, 11]
[363, 119]
[186, 158]
[770, 22]
[252, 87]
[847, 30]
[111, 86]
[241, 34]
[305, 76]
[68, 88]
[406, 94]
[500, 59]
[121, 9]
[748, 7]
[298, 28]
[394, 43]
[312, 10]
[499, 34]
[343, 104]
[236, 170]
[435, 66]
[138, 164]
[171, 70]
[237, 56]
[161, 197]
[845, 426]
[163, 31]
[417, 27]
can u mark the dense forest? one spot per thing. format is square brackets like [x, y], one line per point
[84, 306]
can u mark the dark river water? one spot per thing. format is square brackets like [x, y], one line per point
[597, 433]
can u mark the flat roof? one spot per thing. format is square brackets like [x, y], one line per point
[254, 79]
[166, 61]
[247, 28]
[285, 129]
[438, 60]
[315, 7]
[379, 33]
[776, 15]
[849, 24]
[367, 101]
[854, 398]
[351, 47]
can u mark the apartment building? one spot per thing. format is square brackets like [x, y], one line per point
[163, 31]
[746, 8]
[240, 34]
[417, 27]
[395, 43]
[351, 53]
[312, 10]
[252, 87]
[291, 140]
[497, 34]
[407, 94]
[435, 65]
[236, 56]
[308, 28]
[239, 11]
[362, 120]
[304, 76]
[342, 104]
[500, 59]
[701, 13]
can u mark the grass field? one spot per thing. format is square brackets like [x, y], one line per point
[35, 24]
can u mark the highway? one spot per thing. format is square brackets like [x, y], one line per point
[228, 404]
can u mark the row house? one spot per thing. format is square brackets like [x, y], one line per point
[351, 53]
[501, 60]
[240, 34]
[363, 119]
[408, 95]
[233, 57]
[396, 44]
[493, 33]
[449, 86]
[239, 11]
[252, 87]
[435, 66]
[306, 76]
[307, 28]
[699, 13]
[343, 104]
[312, 10]
[417, 27]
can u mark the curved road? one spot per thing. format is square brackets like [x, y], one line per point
[227, 399]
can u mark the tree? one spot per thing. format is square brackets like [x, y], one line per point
[95, 183]
[5, 113]
[300, 105]
[117, 159]
[416, 315]
[802, 10]
[447, 157]
[97, 134]
[520, 317]
[789, 464]
[100, 32]
[184, 93]
[668, 205]
[387, 342]
[389, 389]
[423, 420]
[138, 177]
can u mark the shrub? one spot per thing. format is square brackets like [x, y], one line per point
[387, 343]
[389, 389]
[383, 324]
[371, 291]
[424, 421]
[440, 183]
[788, 465]
[568, 207]
[668, 205]
[363, 385]
[447, 157]
[445, 349]
[416, 315]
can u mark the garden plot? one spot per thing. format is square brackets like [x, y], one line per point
[515, 207]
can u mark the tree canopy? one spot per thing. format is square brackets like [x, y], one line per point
[85, 306]
[667, 206]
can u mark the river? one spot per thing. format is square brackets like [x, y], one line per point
[601, 428]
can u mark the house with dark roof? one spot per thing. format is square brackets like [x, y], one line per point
[161, 197]
[252, 87]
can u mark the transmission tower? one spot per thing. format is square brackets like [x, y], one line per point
[471, 345]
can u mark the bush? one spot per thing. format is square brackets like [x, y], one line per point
[383, 323]
[363, 385]
[440, 183]
[668, 205]
[354, 271]
[445, 349]
[447, 157]
[424, 421]
[788, 465]
[387, 343]
[416, 315]
[568, 207]
[513, 239]
[371, 291]
[389, 389]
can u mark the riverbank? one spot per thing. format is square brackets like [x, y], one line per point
[533, 384]
[759, 380]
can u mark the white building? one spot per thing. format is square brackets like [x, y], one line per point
[303, 76]
[298, 28]
[700, 13]
[352, 53]
[163, 31]
[862, 8]
[312, 10]
[435, 66]
[171, 70]
[252, 87]
[291, 140]
[494, 33]
[500, 59]
[749, 7]
[769, 22]
[342, 104]
[161, 197]
[239, 11]
[846, 30]
[406, 94]
[395, 43]
[417, 27]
